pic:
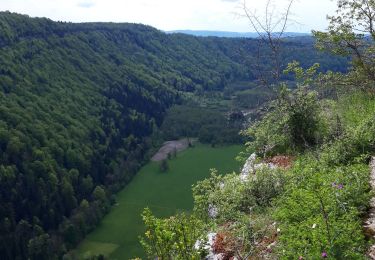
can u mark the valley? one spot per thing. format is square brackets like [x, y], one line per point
[165, 193]
[85, 106]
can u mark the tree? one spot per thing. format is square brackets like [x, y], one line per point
[174, 152]
[68, 195]
[164, 166]
[236, 119]
[270, 29]
[99, 194]
[352, 32]
[39, 247]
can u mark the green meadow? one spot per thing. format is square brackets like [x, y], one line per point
[164, 193]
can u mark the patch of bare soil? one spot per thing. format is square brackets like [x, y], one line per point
[281, 161]
[170, 147]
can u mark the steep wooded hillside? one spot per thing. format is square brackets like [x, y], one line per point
[78, 106]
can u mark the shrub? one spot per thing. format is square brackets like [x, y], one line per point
[355, 142]
[321, 210]
[172, 238]
[236, 208]
[291, 125]
[164, 166]
[267, 185]
[223, 193]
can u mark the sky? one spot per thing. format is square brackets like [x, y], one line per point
[218, 15]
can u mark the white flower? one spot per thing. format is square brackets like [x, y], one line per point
[313, 226]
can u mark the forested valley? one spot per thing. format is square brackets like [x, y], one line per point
[82, 106]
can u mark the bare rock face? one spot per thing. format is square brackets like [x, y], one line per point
[212, 211]
[208, 246]
[369, 225]
[251, 167]
[248, 168]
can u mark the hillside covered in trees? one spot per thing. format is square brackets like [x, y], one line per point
[79, 104]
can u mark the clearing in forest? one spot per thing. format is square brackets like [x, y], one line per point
[164, 193]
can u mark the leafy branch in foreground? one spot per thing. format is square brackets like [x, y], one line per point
[172, 238]
[351, 32]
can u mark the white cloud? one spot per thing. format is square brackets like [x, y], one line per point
[169, 14]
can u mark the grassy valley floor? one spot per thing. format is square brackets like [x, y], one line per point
[164, 193]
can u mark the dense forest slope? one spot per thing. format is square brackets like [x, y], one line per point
[230, 34]
[78, 106]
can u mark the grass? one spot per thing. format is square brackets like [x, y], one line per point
[356, 108]
[164, 193]
[91, 248]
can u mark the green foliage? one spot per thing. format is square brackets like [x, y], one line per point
[172, 238]
[229, 196]
[236, 207]
[318, 204]
[303, 121]
[291, 125]
[355, 138]
[222, 194]
[252, 98]
[328, 191]
[303, 77]
[209, 125]
[79, 104]
[267, 185]
[99, 194]
[351, 32]
[321, 211]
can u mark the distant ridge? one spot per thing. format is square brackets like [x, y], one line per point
[226, 34]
